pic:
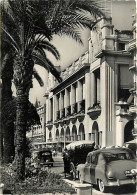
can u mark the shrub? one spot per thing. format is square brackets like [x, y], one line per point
[43, 181]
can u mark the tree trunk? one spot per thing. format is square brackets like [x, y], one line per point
[7, 127]
[23, 70]
[20, 134]
[8, 134]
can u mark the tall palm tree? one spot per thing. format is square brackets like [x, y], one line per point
[7, 99]
[27, 25]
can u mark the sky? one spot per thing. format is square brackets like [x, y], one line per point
[70, 50]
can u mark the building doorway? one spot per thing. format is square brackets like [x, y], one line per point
[57, 135]
[95, 133]
[74, 133]
[81, 132]
[68, 134]
[62, 134]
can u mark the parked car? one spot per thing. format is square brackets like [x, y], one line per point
[75, 153]
[45, 158]
[114, 166]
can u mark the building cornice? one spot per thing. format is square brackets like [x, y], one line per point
[102, 53]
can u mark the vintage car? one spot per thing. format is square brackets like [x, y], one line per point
[45, 158]
[113, 166]
[75, 153]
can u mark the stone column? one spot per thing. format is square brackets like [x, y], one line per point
[79, 94]
[61, 104]
[49, 117]
[104, 101]
[66, 98]
[87, 91]
[92, 137]
[93, 89]
[47, 110]
[72, 97]
[119, 131]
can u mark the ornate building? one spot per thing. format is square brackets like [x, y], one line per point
[37, 133]
[95, 99]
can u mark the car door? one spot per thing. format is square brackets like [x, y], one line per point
[87, 170]
[94, 159]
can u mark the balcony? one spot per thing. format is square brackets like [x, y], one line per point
[49, 124]
[94, 111]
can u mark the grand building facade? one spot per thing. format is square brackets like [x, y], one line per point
[96, 99]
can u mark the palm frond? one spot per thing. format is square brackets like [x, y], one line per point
[49, 47]
[38, 78]
[44, 62]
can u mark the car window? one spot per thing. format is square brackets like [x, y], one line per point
[121, 156]
[94, 159]
[101, 159]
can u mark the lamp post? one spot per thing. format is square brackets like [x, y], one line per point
[65, 135]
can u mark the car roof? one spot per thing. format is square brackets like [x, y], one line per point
[111, 150]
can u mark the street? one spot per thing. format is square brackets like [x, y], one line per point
[58, 167]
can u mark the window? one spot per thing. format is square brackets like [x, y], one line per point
[97, 86]
[51, 107]
[94, 158]
[121, 46]
[125, 79]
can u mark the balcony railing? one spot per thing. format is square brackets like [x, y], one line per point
[94, 111]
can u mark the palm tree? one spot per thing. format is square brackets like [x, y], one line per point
[7, 99]
[27, 25]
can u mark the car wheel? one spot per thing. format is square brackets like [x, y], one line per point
[52, 165]
[101, 185]
[72, 171]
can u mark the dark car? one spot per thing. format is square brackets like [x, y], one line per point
[75, 153]
[45, 158]
[114, 166]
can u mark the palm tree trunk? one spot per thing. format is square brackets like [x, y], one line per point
[23, 70]
[7, 127]
[20, 134]
[8, 135]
